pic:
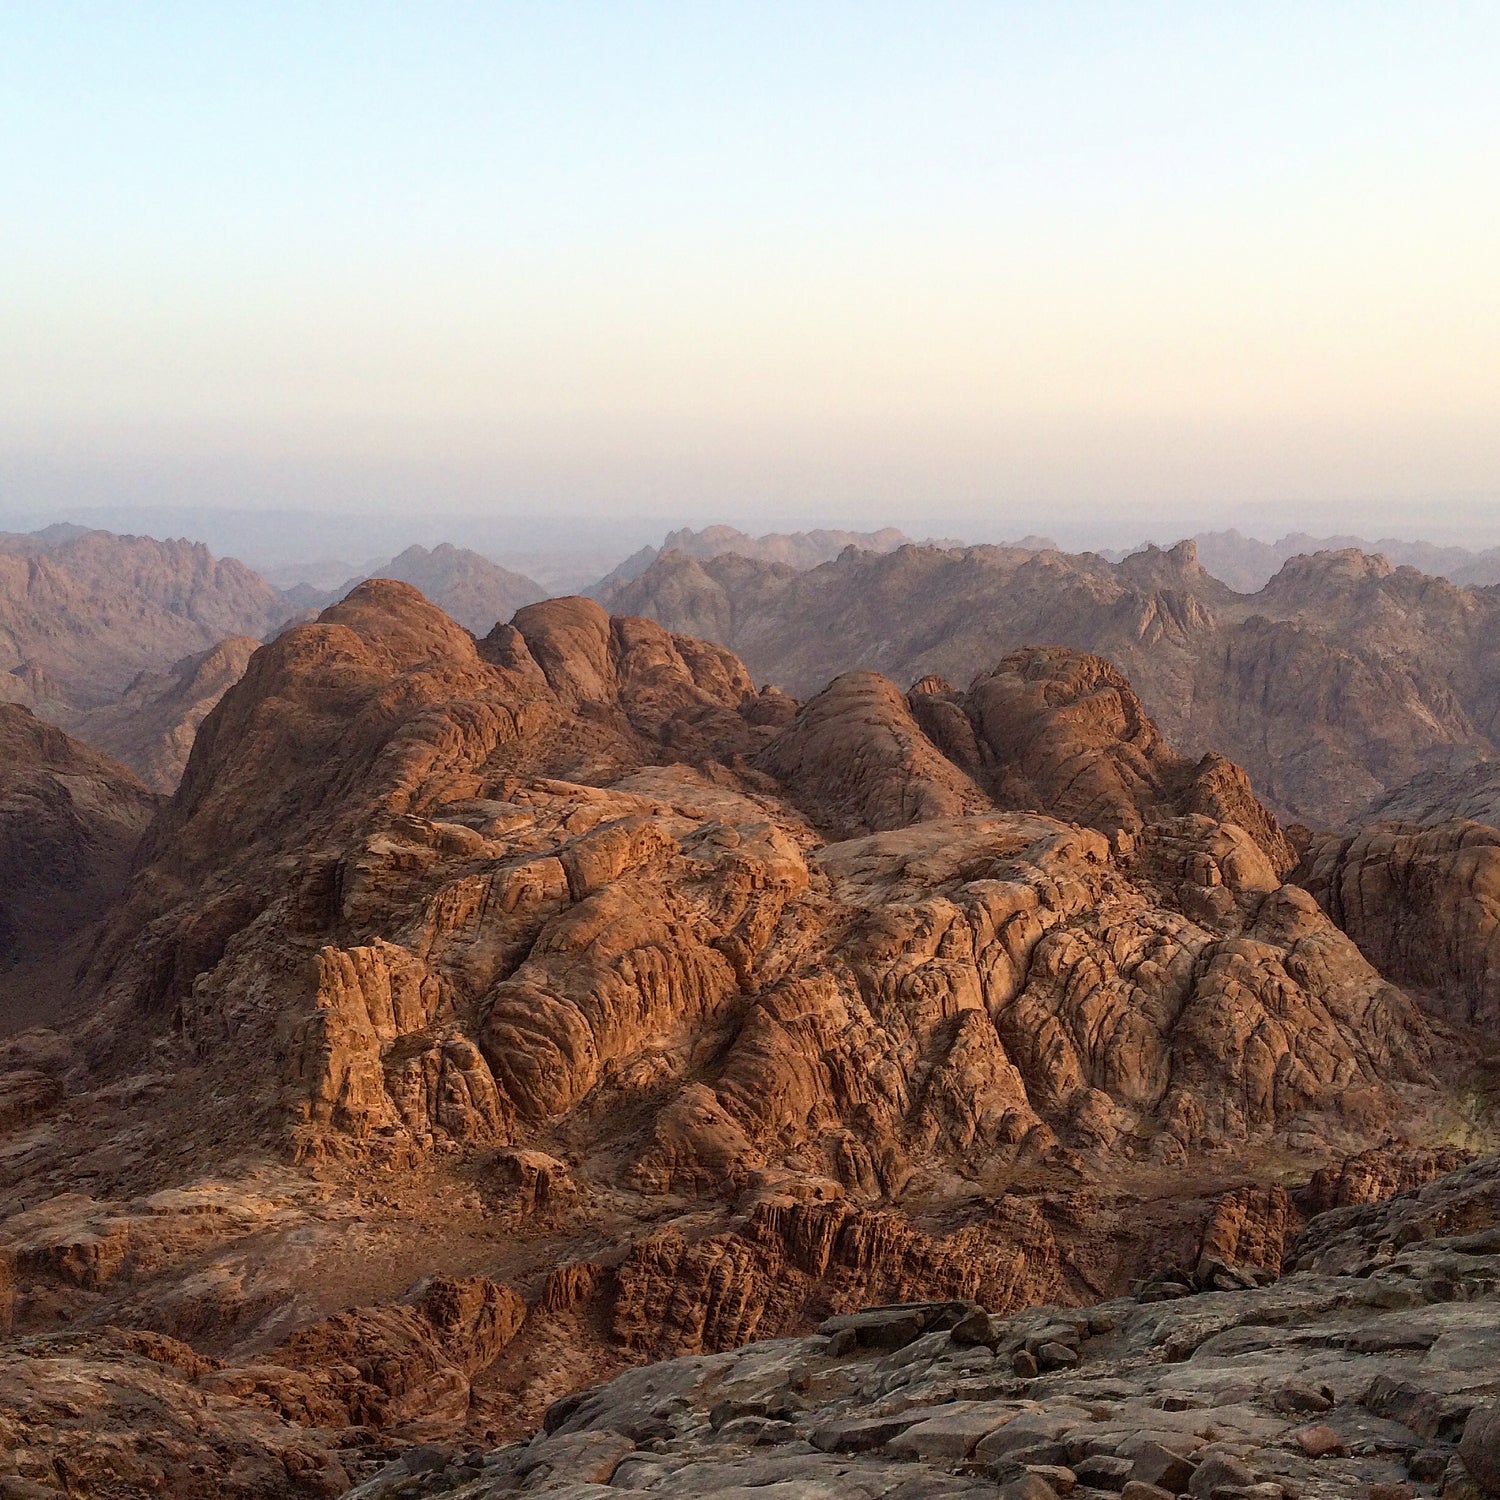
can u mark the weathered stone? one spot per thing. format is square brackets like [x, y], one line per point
[1028, 1487]
[1219, 1471]
[1319, 1442]
[1155, 1464]
[1103, 1472]
[861, 1434]
[1479, 1447]
[951, 1434]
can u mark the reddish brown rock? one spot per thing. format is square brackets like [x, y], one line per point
[1339, 679]
[1251, 1227]
[855, 759]
[1379, 1173]
[431, 922]
[70, 821]
[1424, 906]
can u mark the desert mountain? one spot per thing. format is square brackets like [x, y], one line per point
[152, 725]
[1417, 885]
[1340, 679]
[794, 549]
[70, 820]
[473, 590]
[1247, 565]
[125, 641]
[84, 613]
[486, 1015]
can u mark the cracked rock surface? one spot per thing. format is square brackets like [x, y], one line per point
[1373, 1370]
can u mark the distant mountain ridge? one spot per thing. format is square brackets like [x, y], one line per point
[1341, 678]
[83, 613]
[94, 625]
[467, 586]
[792, 549]
[1247, 565]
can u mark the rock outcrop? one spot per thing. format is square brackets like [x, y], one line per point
[508, 1011]
[1370, 1371]
[70, 820]
[1424, 906]
[1340, 679]
[152, 726]
[1418, 888]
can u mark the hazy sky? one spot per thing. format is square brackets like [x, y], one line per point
[983, 268]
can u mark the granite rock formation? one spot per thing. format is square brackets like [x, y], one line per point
[1369, 1371]
[1417, 885]
[486, 1015]
[1338, 680]
[70, 820]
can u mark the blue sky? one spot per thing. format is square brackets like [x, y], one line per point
[960, 267]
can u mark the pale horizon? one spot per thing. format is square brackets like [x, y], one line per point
[1101, 272]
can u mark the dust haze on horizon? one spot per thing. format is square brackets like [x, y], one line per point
[1104, 272]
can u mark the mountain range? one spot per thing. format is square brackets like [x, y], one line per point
[1339, 680]
[483, 1016]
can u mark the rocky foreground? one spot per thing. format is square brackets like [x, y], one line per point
[1371, 1369]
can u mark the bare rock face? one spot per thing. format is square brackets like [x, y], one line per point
[70, 820]
[1064, 733]
[1373, 1377]
[1338, 680]
[1424, 906]
[468, 587]
[565, 1000]
[387, 1365]
[152, 726]
[1384, 1171]
[119, 1420]
[855, 758]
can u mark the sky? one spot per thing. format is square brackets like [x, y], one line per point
[1095, 270]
